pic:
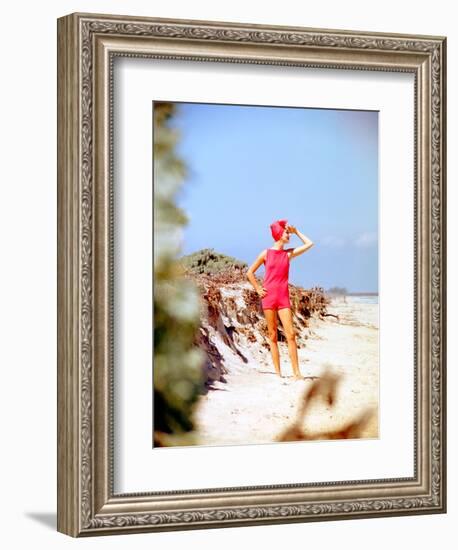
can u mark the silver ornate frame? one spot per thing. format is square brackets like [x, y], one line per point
[87, 45]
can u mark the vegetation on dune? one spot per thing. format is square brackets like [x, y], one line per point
[208, 261]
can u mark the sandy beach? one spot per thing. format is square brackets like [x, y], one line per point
[255, 405]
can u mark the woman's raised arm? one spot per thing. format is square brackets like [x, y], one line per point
[299, 249]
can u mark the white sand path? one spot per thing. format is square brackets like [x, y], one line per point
[255, 404]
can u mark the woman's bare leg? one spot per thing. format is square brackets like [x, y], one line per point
[272, 324]
[290, 333]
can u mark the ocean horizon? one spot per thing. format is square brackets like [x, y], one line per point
[359, 298]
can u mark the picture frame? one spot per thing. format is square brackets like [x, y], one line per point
[87, 46]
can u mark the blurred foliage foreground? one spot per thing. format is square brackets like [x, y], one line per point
[178, 375]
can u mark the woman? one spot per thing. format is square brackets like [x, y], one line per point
[275, 292]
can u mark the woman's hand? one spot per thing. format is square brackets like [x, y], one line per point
[261, 291]
[291, 228]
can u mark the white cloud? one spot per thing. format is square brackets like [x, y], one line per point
[366, 239]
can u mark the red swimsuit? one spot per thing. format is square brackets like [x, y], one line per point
[276, 279]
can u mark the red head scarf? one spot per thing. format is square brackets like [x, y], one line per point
[277, 228]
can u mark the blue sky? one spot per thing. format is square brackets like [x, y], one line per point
[318, 168]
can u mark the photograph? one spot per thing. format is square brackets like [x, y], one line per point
[266, 274]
